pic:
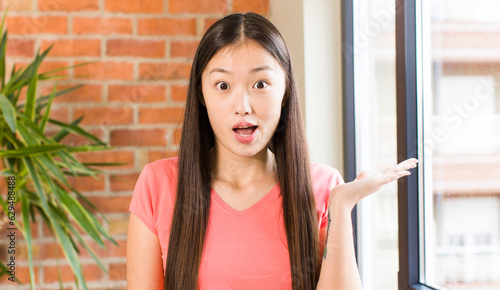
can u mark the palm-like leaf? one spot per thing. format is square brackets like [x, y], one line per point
[40, 163]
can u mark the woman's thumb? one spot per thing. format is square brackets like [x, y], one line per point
[363, 174]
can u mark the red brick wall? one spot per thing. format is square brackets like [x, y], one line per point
[133, 99]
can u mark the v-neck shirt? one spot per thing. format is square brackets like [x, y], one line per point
[242, 249]
[215, 196]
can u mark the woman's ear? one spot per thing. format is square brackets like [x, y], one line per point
[202, 100]
[285, 99]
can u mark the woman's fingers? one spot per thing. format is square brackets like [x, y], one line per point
[363, 174]
[402, 166]
[365, 184]
[398, 171]
[407, 164]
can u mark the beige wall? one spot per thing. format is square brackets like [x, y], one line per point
[312, 30]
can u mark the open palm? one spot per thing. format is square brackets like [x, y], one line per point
[352, 192]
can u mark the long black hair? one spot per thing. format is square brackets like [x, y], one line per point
[190, 217]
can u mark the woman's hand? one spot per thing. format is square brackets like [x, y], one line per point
[350, 193]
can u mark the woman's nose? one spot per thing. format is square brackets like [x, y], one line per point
[242, 103]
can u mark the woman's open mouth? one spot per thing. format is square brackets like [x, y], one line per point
[244, 132]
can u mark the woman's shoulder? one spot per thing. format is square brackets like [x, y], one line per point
[162, 170]
[164, 164]
[321, 170]
[324, 178]
[325, 175]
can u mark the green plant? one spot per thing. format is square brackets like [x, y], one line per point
[40, 164]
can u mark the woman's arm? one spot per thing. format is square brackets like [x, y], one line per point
[339, 270]
[144, 262]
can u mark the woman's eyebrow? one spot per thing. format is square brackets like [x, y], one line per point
[254, 70]
[260, 68]
[220, 70]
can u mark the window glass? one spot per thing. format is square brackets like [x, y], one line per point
[461, 142]
[375, 111]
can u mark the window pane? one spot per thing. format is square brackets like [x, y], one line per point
[461, 117]
[375, 109]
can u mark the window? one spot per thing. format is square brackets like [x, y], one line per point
[439, 89]
[460, 128]
[374, 105]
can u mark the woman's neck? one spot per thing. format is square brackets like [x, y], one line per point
[239, 172]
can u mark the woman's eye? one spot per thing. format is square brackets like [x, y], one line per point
[222, 86]
[260, 85]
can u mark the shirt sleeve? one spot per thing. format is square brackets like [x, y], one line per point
[334, 179]
[142, 199]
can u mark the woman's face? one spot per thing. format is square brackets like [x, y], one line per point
[243, 87]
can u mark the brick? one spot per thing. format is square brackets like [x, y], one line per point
[59, 114]
[132, 47]
[112, 204]
[37, 25]
[102, 26]
[4, 225]
[3, 248]
[118, 226]
[111, 249]
[183, 48]
[111, 156]
[22, 251]
[117, 251]
[166, 26]
[48, 66]
[106, 71]
[143, 93]
[118, 271]
[50, 251]
[41, 251]
[77, 140]
[68, 5]
[22, 96]
[73, 47]
[122, 182]
[138, 137]
[57, 288]
[134, 6]
[160, 115]
[178, 93]
[44, 67]
[197, 6]
[20, 48]
[164, 71]
[257, 6]
[16, 5]
[90, 273]
[34, 229]
[85, 94]
[48, 233]
[22, 274]
[209, 22]
[176, 136]
[87, 183]
[4, 221]
[154, 155]
[104, 116]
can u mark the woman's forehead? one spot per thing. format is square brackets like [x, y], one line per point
[248, 56]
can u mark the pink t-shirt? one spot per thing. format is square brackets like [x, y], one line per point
[243, 249]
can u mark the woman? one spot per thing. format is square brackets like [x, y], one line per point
[242, 207]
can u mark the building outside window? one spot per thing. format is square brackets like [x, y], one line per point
[457, 84]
